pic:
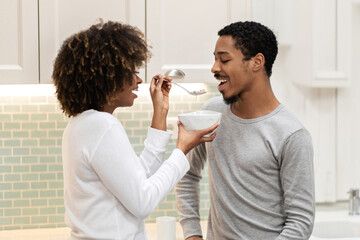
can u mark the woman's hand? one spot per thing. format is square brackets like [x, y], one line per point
[187, 140]
[159, 91]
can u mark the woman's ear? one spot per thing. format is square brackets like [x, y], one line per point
[258, 62]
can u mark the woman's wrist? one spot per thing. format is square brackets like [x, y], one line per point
[159, 119]
[182, 148]
[161, 111]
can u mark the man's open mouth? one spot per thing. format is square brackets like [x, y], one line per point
[222, 81]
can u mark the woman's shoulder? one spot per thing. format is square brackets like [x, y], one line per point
[92, 119]
[94, 115]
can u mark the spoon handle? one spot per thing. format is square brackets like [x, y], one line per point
[195, 93]
[165, 80]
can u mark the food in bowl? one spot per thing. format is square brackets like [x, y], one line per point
[199, 120]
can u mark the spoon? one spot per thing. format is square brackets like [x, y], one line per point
[178, 74]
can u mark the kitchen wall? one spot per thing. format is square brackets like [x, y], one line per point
[31, 180]
[31, 193]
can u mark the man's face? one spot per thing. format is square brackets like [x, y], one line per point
[231, 70]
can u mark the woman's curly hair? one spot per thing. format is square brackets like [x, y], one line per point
[252, 38]
[95, 64]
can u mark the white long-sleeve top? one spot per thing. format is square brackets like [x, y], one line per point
[108, 189]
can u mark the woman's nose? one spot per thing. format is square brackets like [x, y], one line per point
[138, 79]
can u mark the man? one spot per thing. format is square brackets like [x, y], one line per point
[261, 162]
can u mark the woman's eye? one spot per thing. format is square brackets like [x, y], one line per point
[224, 61]
[136, 72]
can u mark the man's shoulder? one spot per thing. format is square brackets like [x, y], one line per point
[288, 122]
[214, 104]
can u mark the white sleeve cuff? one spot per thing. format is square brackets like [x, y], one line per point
[158, 139]
[179, 159]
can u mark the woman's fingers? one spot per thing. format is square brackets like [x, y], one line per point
[209, 129]
[159, 79]
[156, 83]
[210, 138]
[166, 85]
[201, 132]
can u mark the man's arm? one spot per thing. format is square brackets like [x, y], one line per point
[297, 179]
[188, 194]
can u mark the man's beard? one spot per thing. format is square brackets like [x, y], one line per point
[231, 99]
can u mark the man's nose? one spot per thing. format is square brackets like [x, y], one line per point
[215, 68]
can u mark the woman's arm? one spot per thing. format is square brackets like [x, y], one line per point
[120, 171]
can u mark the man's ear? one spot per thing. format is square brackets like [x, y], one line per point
[258, 62]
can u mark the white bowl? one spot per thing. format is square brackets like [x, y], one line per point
[199, 120]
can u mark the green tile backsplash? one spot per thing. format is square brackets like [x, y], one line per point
[31, 180]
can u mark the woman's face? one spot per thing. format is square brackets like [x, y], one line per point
[124, 98]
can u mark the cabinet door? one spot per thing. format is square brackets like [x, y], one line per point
[18, 42]
[183, 34]
[59, 19]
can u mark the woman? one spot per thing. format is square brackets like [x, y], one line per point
[108, 189]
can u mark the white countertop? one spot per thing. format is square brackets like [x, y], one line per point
[64, 233]
[151, 229]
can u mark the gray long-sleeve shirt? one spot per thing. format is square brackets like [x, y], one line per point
[261, 179]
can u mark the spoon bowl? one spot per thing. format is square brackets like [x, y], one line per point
[175, 74]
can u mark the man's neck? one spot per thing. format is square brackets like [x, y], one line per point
[255, 104]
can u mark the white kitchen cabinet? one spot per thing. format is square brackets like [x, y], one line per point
[348, 127]
[276, 15]
[314, 35]
[183, 34]
[59, 19]
[321, 43]
[325, 105]
[33, 31]
[18, 42]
